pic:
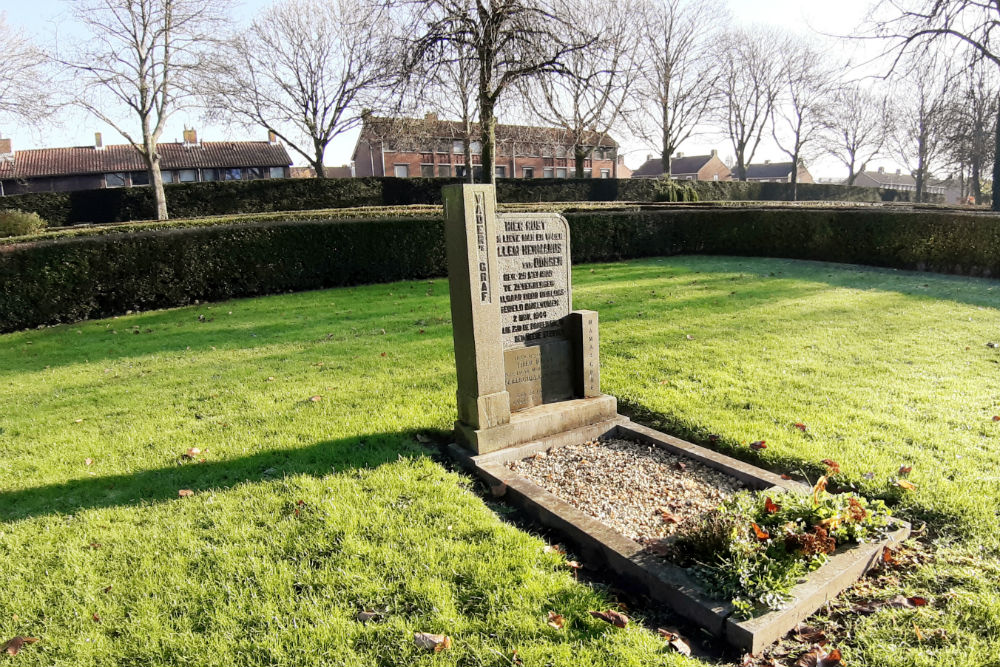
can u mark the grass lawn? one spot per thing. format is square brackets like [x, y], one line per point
[306, 511]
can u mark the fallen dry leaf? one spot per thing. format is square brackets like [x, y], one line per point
[316, 399]
[97, 618]
[771, 506]
[675, 640]
[887, 556]
[760, 532]
[819, 487]
[905, 484]
[833, 466]
[554, 549]
[556, 620]
[423, 439]
[802, 427]
[615, 618]
[810, 635]
[13, 646]
[996, 418]
[88, 462]
[784, 476]
[668, 516]
[184, 493]
[367, 615]
[758, 445]
[191, 453]
[903, 602]
[689, 337]
[680, 465]
[918, 632]
[817, 657]
[574, 565]
[905, 470]
[436, 643]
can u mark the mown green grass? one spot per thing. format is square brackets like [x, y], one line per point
[886, 368]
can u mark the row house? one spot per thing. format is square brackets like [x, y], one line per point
[121, 166]
[897, 181]
[776, 172]
[686, 168]
[433, 148]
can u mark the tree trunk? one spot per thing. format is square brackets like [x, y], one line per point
[795, 177]
[488, 122]
[317, 163]
[996, 164]
[851, 176]
[467, 147]
[579, 155]
[156, 181]
[975, 180]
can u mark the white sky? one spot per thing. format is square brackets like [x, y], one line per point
[45, 19]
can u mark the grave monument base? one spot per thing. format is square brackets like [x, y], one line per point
[538, 422]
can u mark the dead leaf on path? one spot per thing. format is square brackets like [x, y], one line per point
[674, 639]
[758, 445]
[423, 439]
[680, 465]
[316, 399]
[810, 635]
[832, 465]
[88, 462]
[817, 657]
[431, 642]
[184, 493]
[556, 620]
[668, 516]
[903, 602]
[784, 476]
[905, 484]
[13, 646]
[887, 557]
[615, 618]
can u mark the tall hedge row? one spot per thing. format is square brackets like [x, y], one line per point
[74, 278]
[190, 200]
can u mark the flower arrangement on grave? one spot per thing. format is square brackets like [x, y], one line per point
[755, 546]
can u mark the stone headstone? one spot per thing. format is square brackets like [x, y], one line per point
[527, 364]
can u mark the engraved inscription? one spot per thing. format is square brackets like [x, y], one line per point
[482, 244]
[534, 265]
[538, 374]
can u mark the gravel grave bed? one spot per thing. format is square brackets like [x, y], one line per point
[646, 493]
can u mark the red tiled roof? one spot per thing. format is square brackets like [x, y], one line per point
[43, 162]
[432, 128]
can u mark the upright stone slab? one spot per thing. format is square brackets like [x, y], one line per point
[528, 366]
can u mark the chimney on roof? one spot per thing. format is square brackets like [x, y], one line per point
[190, 137]
[898, 171]
[679, 155]
[98, 142]
[649, 156]
[881, 170]
[715, 153]
[272, 138]
[767, 162]
[431, 117]
[6, 149]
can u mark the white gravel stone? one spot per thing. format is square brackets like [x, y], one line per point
[643, 492]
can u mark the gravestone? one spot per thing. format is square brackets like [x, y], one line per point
[528, 365]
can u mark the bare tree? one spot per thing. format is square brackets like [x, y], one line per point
[749, 85]
[143, 55]
[512, 40]
[802, 114]
[921, 102]
[593, 96]
[305, 70]
[859, 124]
[912, 26]
[970, 117]
[24, 92]
[678, 82]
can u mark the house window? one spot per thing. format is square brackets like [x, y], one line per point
[715, 177]
[444, 171]
[253, 173]
[140, 177]
[400, 170]
[457, 147]
[116, 180]
[460, 171]
[528, 172]
[561, 172]
[209, 174]
[232, 174]
[427, 171]
[500, 171]
[476, 147]
[187, 175]
[560, 151]
[605, 173]
[277, 172]
[167, 176]
[588, 173]
[547, 172]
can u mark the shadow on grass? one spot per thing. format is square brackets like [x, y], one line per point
[160, 484]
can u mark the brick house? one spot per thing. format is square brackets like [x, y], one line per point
[100, 166]
[430, 147]
[897, 181]
[776, 172]
[689, 168]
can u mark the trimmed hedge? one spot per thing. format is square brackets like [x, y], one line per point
[74, 278]
[190, 200]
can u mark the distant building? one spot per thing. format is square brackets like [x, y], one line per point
[343, 171]
[896, 181]
[428, 147]
[121, 166]
[687, 168]
[776, 172]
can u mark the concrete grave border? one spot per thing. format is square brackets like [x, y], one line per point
[600, 545]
